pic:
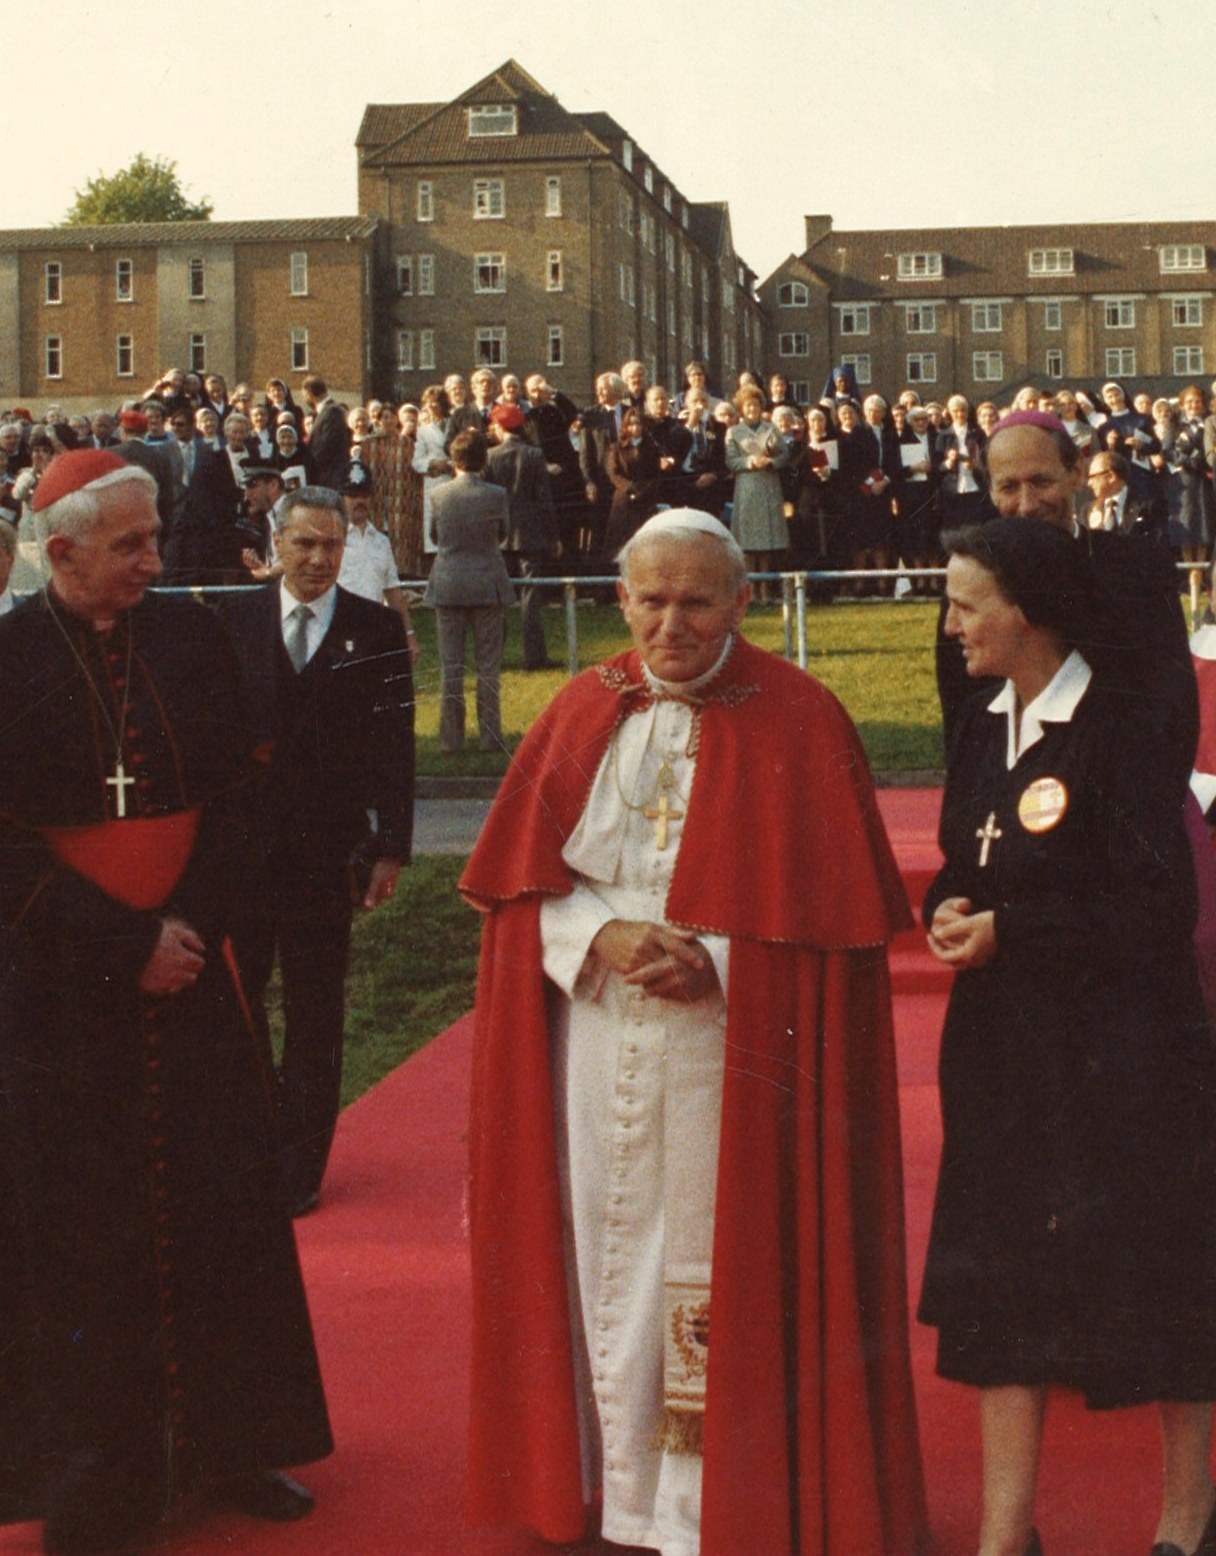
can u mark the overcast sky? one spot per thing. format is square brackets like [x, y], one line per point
[903, 115]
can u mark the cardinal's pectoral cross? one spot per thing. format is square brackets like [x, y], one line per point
[662, 810]
[988, 835]
[120, 783]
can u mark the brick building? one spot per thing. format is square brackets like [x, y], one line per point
[986, 309]
[526, 237]
[92, 315]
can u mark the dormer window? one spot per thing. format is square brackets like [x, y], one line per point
[493, 119]
[1050, 262]
[918, 267]
[1183, 256]
[648, 178]
[627, 155]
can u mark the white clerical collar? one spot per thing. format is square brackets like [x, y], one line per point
[1055, 704]
[682, 689]
[322, 607]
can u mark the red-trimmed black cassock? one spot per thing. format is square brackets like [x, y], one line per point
[810, 1438]
[156, 1335]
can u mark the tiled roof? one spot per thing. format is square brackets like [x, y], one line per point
[994, 261]
[143, 234]
[383, 122]
[440, 134]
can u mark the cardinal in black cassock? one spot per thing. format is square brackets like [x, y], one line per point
[157, 1338]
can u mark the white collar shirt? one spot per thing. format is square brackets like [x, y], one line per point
[1055, 704]
[322, 610]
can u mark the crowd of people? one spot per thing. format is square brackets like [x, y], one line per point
[852, 483]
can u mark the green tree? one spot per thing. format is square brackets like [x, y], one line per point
[148, 190]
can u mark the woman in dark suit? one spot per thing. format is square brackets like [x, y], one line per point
[1074, 1229]
[633, 465]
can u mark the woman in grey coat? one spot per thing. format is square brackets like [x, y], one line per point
[470, 589]
[754, 454]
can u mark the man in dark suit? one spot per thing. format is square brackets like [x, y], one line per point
[328, 690]
[1115, 507]
[474, 415]
[132, 425]
[520, 468]
[601, 429]
[327, 455]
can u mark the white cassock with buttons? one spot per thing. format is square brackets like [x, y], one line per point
[638, 1088]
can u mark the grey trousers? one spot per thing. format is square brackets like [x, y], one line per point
[452, 624]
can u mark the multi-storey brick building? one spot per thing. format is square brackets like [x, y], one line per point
[526, 237]
[984, 309]
[92, 315]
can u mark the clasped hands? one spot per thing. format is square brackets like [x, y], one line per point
[961, 938]
[659, 960]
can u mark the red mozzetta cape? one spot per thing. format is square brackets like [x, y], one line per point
[810, 1437]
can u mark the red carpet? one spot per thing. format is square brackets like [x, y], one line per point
[387, 1271]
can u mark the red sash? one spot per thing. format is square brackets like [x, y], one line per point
[137, 862]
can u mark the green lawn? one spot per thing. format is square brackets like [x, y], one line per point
[876, 656]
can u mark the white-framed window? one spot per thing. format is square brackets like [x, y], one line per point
[624, 210]
[1120, 361]
[196, 278]
[627, 155]
[917, 267]
[489, 199]
[124, 281]
[1050, 262]
[493, 119]
[1186, 312]
[686, 268]
[553, 197]
[299, 349]
[669, 247]
[855, 319]
[1120, 313]
[1053, 316]
[705, 340]
[921, 367]
[649, 301]
[652, 234]
[557, 350]
[648, 178]
[921, 319]
[794, 343]
[671, 316]
[554, 274]
[705, 286]
[1182, 256]
[426, 349]
[424, 206]
[299, 273]
[728, 295]
[987, 367]
[490, 346]
[198, 353]
[124, 356]
[489, 273]
[667, 198]
[793, 294]
[52, 357]
[405, 351]
[367, 350]
[986, 318]
[686, 333]
[426, 275]
[1055, 363]
[684, 214]
[405, 275]
[800, 389]
[1188, 360]
[52, 286]
[860, 363]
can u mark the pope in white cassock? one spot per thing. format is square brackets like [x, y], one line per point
[689, 1294]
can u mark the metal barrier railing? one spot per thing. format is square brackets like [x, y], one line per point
[794, 595]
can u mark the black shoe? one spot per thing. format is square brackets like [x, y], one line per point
[267, 1494]
[1206, 1546]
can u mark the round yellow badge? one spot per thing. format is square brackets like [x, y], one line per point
[1042, 804]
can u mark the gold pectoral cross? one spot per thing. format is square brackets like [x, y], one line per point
[119, 784]
[988, 835]
[662, 811]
